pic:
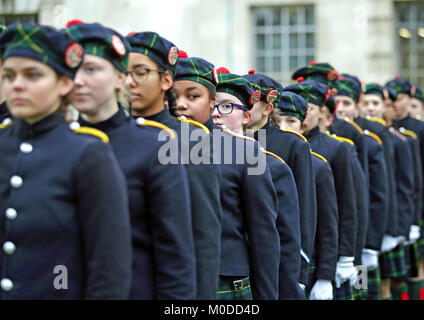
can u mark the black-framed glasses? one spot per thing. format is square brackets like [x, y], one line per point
[227, 107]
[141, 74]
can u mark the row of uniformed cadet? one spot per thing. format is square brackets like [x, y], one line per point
[336, 191]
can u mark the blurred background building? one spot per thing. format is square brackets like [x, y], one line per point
[373, 39]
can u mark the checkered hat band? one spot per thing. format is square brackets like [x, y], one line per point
[103, 51]
[203, 81]
[344, 89]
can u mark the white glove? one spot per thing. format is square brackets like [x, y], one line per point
[322, 290]
[400, 239]
[389, 243]
[345, 271]
[370, 258]
[414, 234]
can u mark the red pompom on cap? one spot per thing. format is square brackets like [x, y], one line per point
[223, 70]
[300, 79]
[340, 78]
[313, 62]
[251, 71]
[73, 22]
[397, 76]
[182, 54]
[131, 33]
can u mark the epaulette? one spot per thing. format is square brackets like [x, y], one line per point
[319, 156]
[342, 139]
[7, 122]
[373, 135]
[353, 123]
[296, 133]
[379, 120]
[75, 127]
[272, 155]
[226, 130]
[397, 134]
[141, 122]
[408, 132]
[198, 124]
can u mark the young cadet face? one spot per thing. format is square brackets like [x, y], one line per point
[312, 119]
[291, 123]
[400, 106]
[148, 96]
[96, 84]
[372, 105]
[260, 111]
[236, 119]
[346, 107]
[416, 108]
[33, 90]
[193, 100]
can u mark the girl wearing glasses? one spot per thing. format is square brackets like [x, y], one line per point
[232, 111]
[63, 202]
[248, 269]
[163, 251]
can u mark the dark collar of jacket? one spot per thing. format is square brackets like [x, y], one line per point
[26, 130]
[113, 122]
[401, 121]
[269, 127]
[4, 111]
[314, 132]
[162, 116]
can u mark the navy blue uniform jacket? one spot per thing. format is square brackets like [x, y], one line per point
[326, 242]
[250, 244]
[204, 182]
[71, 209]
[296, 153]
[159, 202]
[288, 229]
[339, 157]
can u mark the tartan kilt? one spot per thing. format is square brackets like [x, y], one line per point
[342, 293]
[228, 291]
[374, 285]
[359, 294]
[392, 263]
[413, 260]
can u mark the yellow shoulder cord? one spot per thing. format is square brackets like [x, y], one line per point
[151, 123]
[198, 124]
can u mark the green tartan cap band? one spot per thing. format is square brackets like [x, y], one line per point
[197, 70]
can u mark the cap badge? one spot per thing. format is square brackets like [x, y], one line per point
[173, 56]
[73, 55]
[118, 45]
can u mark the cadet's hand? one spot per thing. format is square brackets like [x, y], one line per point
[322, 290]
[345, 271]
[414, 234]
[370, 258]
[389, 243]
